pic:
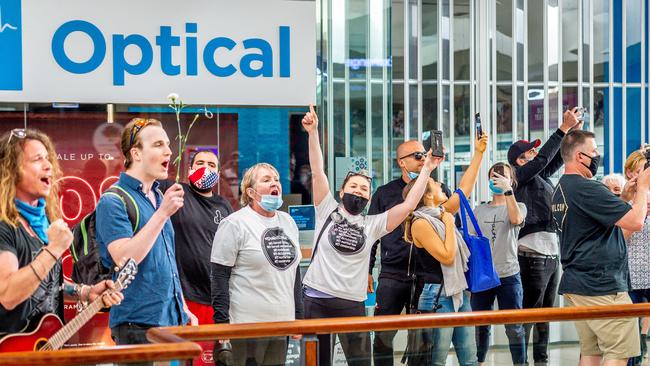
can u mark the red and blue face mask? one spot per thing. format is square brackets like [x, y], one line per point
[203, 179]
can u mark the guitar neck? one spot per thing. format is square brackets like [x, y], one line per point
[58, 340]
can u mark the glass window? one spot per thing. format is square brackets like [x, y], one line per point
[378, 158]
[462, 39]
[462, 124]
[569, 98]
[444, 38]
[378, 43]
[357, 19]
[521, 110]
[553, 38]
[553, 113]
[601, 40]
[413, 110]
[377, 109]
[429, 39]
[397, 121]
[520, 22]
[586, 27]
[339, 53]
[339, 119]
[504, 40]
[446, 141]
[633, 40]
[397, 39]
[504, 122]
[535, 95]
[358, 119]
[535, 40]
[633, 120]
[600, 120]
[429, 107]
[570, 40]
[413, 39]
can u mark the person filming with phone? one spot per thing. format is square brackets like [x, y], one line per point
[538, 243]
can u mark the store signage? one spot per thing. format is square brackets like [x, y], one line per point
[249, 52]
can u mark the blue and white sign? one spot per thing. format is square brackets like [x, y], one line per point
[246, 52]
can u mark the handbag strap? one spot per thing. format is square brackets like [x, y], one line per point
[322, 230]
[465, 208]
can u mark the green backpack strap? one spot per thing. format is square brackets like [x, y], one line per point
[131, 206]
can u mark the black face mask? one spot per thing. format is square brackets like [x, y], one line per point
[593, 166]
[354, 204]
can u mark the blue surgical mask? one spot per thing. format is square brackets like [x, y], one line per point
[270, 203]
[495, 189]
[413, 175]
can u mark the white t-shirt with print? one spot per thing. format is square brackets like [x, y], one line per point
[340, 266]
[264, 255]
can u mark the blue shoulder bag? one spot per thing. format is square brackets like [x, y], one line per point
[481, 275]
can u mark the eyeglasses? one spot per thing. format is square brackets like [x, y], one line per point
[19, 133]
[418, 155]
[354, 174]
[139, 124]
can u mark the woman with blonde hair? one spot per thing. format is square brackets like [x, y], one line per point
[443, 254]
[254, 272]
[638, 253]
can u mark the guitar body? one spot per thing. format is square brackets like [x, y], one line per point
[34, 340]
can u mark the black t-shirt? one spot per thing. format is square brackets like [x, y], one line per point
[47, 297]
[592, 248]
[194, 227]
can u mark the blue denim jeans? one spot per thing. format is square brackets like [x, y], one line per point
[510, 295]
[463, 338]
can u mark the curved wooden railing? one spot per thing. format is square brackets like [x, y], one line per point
[392, 322]
[174, 343]
[171, 347]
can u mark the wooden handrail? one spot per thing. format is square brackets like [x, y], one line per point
[392, 322]
[173, 348]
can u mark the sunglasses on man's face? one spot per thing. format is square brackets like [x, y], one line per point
[418, 155]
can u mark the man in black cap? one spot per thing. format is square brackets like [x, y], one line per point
[538, 243]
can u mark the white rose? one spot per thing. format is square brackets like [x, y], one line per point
[173, 97]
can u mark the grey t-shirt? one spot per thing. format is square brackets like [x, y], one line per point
[496, 226]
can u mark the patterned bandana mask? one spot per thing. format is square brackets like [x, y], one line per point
[203, 179]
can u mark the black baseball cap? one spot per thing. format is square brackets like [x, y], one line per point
[519, 148]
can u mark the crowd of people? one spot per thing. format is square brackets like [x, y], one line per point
[201, 263]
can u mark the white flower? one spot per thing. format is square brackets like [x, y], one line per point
[173, 97]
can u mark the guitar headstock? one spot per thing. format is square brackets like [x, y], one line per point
[126, 274]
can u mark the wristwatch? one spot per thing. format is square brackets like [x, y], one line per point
[508, 193]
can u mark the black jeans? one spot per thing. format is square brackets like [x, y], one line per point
[539, 278]
[131, 333]
[393, 296]
[356, 346]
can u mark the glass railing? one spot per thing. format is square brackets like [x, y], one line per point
[419, 339]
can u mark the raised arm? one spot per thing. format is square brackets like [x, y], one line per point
[397, 214]
[139, 245]
[468, 180]
[424, 236]
[320, 184]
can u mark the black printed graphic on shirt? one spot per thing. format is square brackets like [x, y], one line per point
[278, 248]
[346, 237]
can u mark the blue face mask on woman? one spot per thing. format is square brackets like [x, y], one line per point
[270, 203]
[495, 189]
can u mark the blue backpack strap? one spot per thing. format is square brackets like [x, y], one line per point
[465, 206]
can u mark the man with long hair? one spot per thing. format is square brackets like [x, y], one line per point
[33, 237]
